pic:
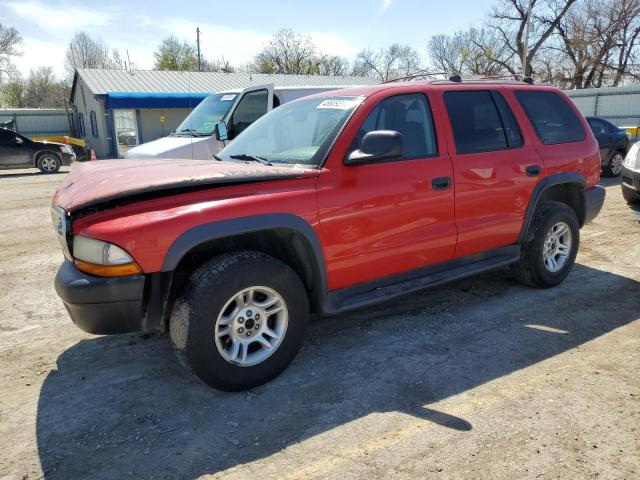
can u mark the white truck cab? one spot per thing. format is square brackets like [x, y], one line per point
[196, 138]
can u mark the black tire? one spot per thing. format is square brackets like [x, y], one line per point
[630, 196]
[195, 313]
[48, 162]
[614, 164]
[531, 269]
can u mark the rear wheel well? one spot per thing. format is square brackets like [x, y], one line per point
[567, 193]
[285, 244]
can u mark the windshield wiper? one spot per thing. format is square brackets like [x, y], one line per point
[251, 158]
[213, 155]
[190, 131]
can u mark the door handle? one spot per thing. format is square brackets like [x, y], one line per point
[441, 183]
[533, 170]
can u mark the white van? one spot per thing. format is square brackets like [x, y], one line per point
[197, 137]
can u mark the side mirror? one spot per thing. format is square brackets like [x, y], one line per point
[376, 146]
[19, 141]
[221, 132]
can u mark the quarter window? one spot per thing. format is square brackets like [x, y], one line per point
[409, 115]
[552, 118]
[481, 121]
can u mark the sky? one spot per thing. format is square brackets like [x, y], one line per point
[236, 29]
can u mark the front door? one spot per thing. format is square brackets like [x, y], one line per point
[253, 103]
[386, 218]
[14, 150]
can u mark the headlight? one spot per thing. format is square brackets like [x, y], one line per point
[631, 160]
[66, 149]
[102, 259]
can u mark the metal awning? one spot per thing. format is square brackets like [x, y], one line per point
[138, 100]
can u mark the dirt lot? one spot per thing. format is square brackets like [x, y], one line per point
[480, 379]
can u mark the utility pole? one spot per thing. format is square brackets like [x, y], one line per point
[525, 52]
[198, 42]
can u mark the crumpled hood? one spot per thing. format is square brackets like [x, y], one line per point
[172, 147]
[92, 183]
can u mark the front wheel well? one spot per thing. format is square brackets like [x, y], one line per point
[287, 245]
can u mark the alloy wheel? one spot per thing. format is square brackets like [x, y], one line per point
[557, 247]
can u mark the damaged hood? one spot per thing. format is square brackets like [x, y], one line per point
[92, 183]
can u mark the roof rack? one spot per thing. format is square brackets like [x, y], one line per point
[446, 78]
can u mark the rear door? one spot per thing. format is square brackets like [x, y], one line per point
[252, 104]
[494, 169]
[603, 135]
[389, 217]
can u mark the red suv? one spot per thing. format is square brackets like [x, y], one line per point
[326, 204]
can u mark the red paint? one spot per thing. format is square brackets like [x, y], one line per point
[373, 220]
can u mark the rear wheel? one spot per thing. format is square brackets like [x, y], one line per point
[550, 247]
[614, 166]
[240, 321]
[49, 163]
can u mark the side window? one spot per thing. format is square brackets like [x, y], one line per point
[7, 136]
[408, 114]
[94, 123]
[552, 118]
[598, 127]
[81, 130]
[514, 137]
[251, 107]
[476, 123]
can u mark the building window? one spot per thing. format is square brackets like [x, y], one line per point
[81, 129]
[94, 123]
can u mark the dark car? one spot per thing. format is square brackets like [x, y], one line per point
[18, 151]
[614, 143]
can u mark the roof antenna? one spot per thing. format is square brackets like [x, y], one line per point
[455, 78]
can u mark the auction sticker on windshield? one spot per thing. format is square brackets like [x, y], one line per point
[340, 103]
[227, 98]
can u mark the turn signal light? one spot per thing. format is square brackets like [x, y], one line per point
[122, 270]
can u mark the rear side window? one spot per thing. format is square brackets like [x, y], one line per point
[552, 118]
[408, 114]
[481, 121]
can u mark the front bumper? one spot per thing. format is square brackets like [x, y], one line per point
[67, 158]
[592, 200]
[630, 181]
[101, 305]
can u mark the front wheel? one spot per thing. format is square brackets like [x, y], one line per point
[49, 163]
[550, 247]
[240, 321]
[614, 166]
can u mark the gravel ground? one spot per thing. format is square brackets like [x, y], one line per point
[482, 378]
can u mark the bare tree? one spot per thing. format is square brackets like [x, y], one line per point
[85, 52]
[395, 61]
[287, 52]
[471, 52]
[219, 65]
[43, 90]
[509, 21]
[10, 40]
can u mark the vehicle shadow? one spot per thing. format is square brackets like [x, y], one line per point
[33, 173]
[609, 181]
[122, 405]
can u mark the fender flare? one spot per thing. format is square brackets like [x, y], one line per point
[207, 232]
[545, 184]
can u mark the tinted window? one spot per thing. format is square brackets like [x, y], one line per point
[514, 137]
[409, 115]
[598, 127]
[252, 106]
[6, 136]
[551, 117]
[475, 121]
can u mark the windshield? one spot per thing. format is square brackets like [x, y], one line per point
[296, 133]
[210, 111]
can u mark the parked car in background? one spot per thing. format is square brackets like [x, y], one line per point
[196, 138]
[18, 151]
[329, 203]
[614, 143]
[630, 183]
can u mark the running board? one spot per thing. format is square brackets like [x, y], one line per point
[367, 294]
